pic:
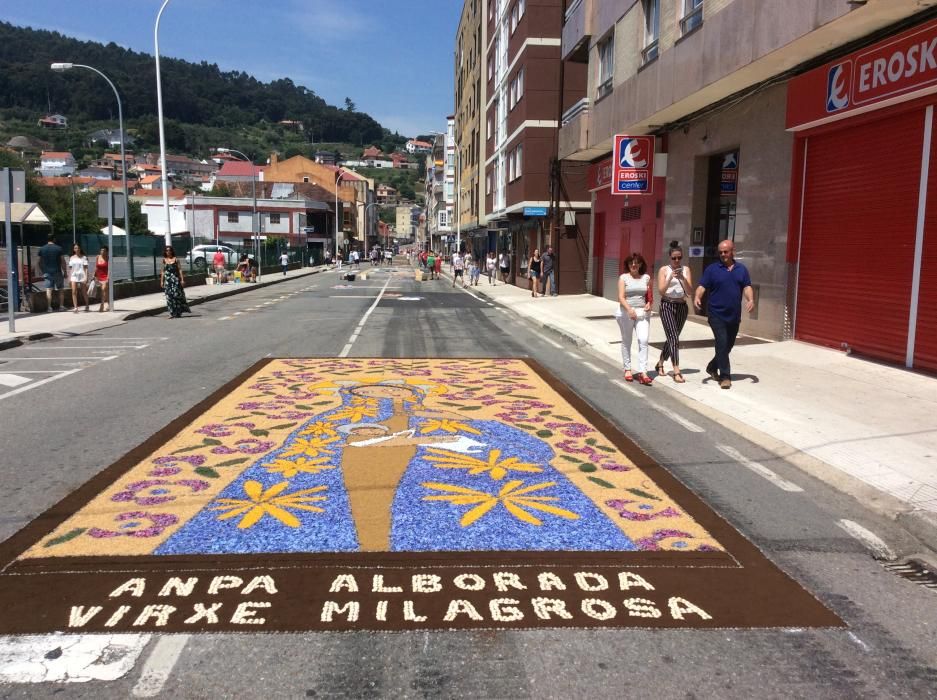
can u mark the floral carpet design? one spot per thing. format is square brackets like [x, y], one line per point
[352, 455]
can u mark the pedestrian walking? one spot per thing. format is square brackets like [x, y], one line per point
[635, 296]
[431, 264]
[491, 263]
[172, 281]
[534, 268]
[243, 269]
[504, 265]
[549, 278]
[472, 268]
[389, 256]
[218, 262]
[78, 276]
[284, 262]
[102, 275]
[52, 263]
[458, 268]
[675, 284]
[438, 267]
[356, 257]
[725, 282]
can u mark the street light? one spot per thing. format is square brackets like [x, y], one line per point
[61, 68]
[162, 133]
[338, 179]
[254, 233]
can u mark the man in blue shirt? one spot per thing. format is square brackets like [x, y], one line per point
[52, 263]
[726, 282]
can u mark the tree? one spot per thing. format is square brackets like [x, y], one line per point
[349, 105]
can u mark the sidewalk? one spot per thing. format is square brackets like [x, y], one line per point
[43, 325]
[865, 428]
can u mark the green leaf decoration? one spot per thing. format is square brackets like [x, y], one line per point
[282, 426]
[211, 441]
[321, 403]
[605, 448]
[587, 467]
[303, 407]
[207, 471]
[232, 462]
[258, 432]
[258, 413]
[525, 396]
[544, 433]
[450, 403]
[601, 482]
[188, 449]
[526, 427]
[70, 535]
[545, 412]
[228, 420]
[469, 408]
[566, 418]
[642, 494]
[293, 387]
[591, 441]
[568, 458]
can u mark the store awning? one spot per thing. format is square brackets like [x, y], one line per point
[25, 213]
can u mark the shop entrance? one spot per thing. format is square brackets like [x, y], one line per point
[721, 196]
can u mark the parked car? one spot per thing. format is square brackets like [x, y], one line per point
[201, 256]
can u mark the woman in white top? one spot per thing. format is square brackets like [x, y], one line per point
[675, 283]
[78, 276]
[635, 296]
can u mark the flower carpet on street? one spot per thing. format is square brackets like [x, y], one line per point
[398, 494]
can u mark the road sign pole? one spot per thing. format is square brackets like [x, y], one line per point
[12, 287]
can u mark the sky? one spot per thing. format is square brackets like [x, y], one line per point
[393, 58]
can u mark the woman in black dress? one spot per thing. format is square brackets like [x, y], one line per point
[172, 281]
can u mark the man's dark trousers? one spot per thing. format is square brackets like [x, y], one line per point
[725, 333]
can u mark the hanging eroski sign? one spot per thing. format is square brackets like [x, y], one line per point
[729, 176]
[633, 165]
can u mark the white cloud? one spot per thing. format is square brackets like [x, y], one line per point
[323, 22]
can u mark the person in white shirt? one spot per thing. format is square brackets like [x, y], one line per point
[78, 276]
[284, 262]
[458, 268]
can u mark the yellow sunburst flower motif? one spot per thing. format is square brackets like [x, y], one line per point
[496, 470]
[310, 447]
[354, 413]
[319, 428]
[290, 468]
[447, 425]
[514, 499]
[269, 502]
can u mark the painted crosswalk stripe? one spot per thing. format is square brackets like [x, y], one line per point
[629, 389]
[597, 370]
[759, 469]
[552, 342]
[677, 418]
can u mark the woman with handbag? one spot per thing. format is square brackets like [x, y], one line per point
[635, 296]
[99, 281]
[534, 266]
[173, 282]
[78, 276]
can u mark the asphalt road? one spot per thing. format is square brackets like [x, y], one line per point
[58, 435]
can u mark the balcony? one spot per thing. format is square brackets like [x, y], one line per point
[577, 31]
[574, 133]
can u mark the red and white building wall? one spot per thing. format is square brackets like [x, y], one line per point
[862, 231]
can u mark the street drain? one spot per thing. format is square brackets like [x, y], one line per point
[915, 572]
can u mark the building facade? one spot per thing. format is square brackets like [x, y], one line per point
[730, 155]
[531, 200]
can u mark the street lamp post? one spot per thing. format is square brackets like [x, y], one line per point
[255, 235]
[337, 181]
[162, 132]
[61, 68]
[458, 198]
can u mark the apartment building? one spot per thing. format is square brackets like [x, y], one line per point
[531, 201]
[471, 95]
[436, 230]
[764, 117]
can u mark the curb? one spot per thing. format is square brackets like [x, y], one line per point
[920, 525]
[22, 340]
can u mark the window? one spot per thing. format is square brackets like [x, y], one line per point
[520, 8]
[516, 89]
[491, 67]
[514, 17]
[519, 157]
[232, 217]
[274, 218]
[692, 15]
[606, 66]
[488, 184]
[651, 30]
[443, 218]
[488, 129]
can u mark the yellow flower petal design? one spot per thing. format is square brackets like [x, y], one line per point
[447, 425]
[496, 469]
[511, 495]
[269, 502]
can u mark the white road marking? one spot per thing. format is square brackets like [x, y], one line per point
[597, 370]
[865, 647]
[629, 389]
[94, 347]
[573, 355]
[33, 385]
[552, 342]
[159, 665]
[225, 318]
[873, 542]
[677, 418]
[354, 335]
[18, 359]
[69, 658]
[759, 469]
[12, 379]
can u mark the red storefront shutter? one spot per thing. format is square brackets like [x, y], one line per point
[925, 342]
[857, 242]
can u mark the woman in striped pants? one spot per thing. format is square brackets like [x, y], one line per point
[674, 284]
